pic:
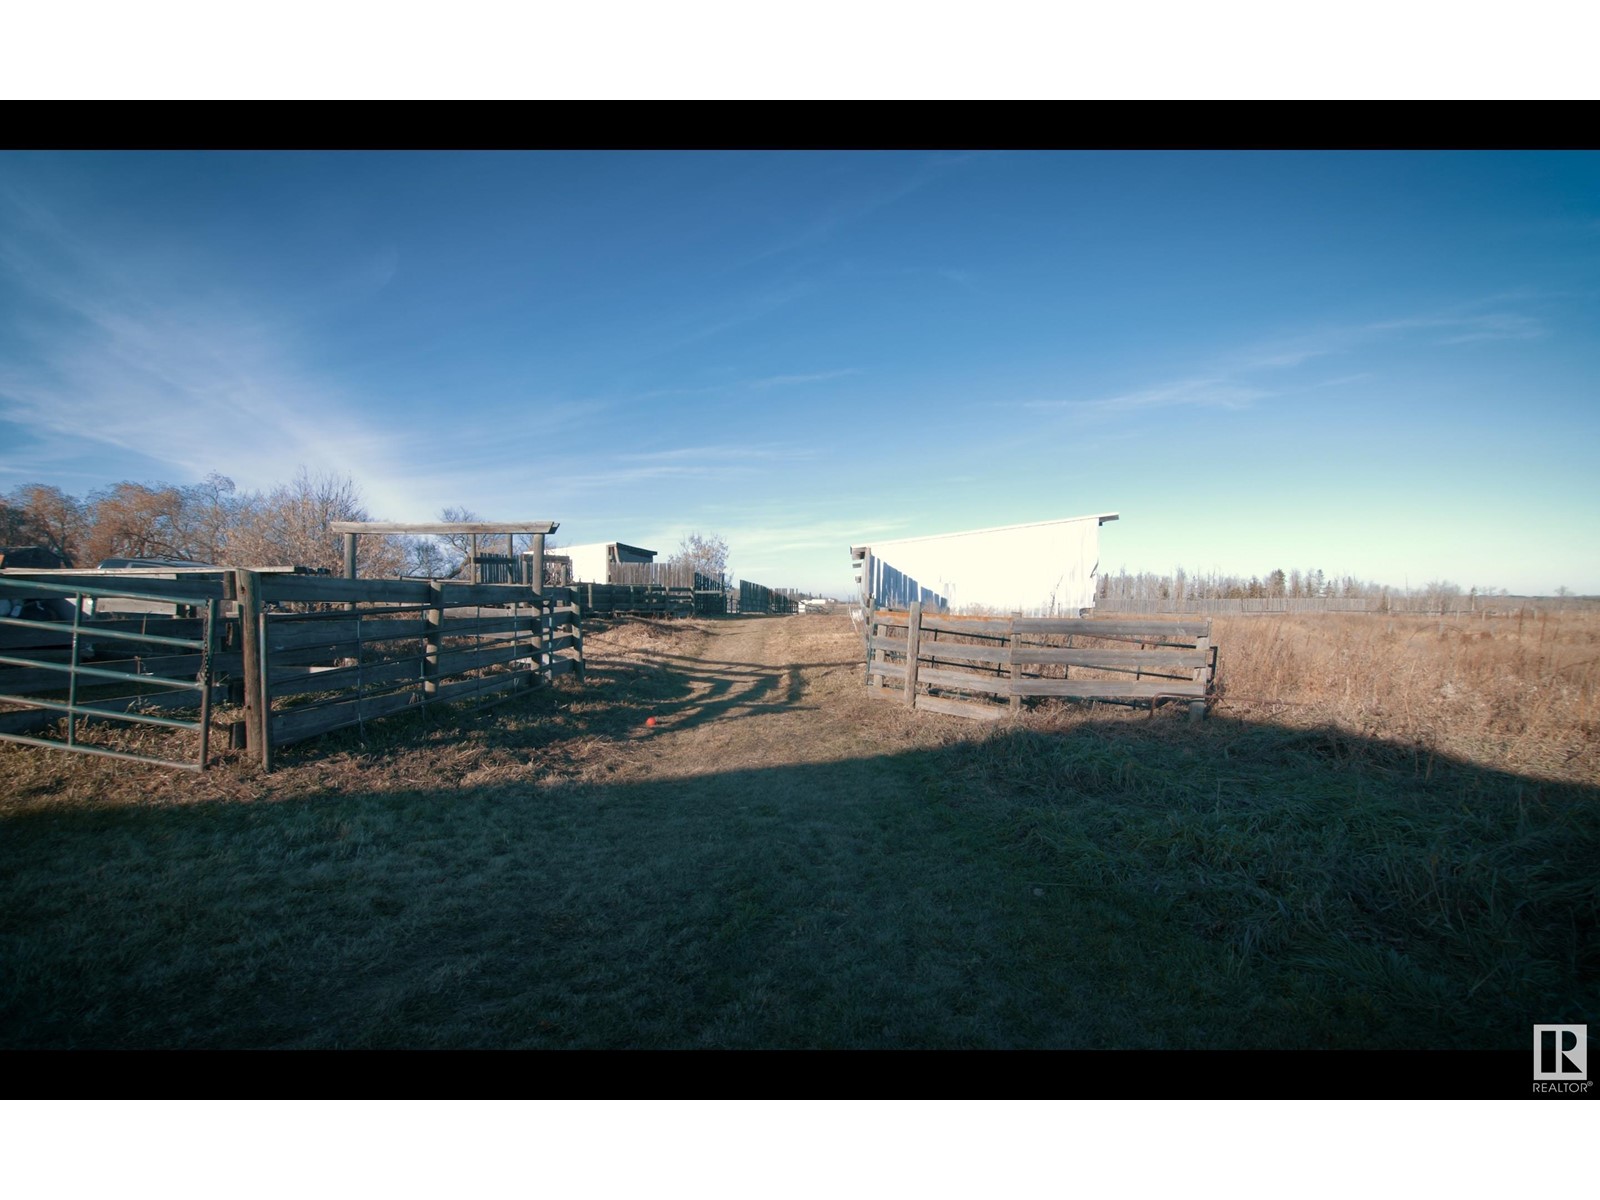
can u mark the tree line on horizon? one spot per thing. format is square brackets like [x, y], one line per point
[215, 523]
[1294, 584]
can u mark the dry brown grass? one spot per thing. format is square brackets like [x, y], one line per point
[1513, 693]
[783, 861]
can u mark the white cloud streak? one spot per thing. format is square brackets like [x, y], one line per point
[1235, 381]
[111, 363]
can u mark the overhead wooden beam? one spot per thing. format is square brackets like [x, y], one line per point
[444, 527]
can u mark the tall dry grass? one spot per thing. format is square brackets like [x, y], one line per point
[1517, 693]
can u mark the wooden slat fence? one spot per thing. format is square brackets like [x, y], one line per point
[322, 654]
[755, 598]
[304, 654]
[607, 599]
[968, 666]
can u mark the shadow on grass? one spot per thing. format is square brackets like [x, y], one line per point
[704, 690]
[1118, 884]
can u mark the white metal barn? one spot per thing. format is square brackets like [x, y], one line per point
[592, 563]
[1042, 569]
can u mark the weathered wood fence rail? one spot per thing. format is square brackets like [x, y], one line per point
[605, 599]
[373, 647]
[962, 666]
[303, 654]
[757, 598]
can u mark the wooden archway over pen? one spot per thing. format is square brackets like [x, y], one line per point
[537, 530]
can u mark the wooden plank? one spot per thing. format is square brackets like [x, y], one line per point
[297, 724]
[289, 632]
[961, 708]
[1013, 670]
[1202, 678]
[1146, 630]
[463, 689]
[913, 640]
[433, 527]
[1110, 689]
[528, 622]
[256, 702]
[1153, 631]
[994, 685]
[561, 664]
[323, 655]
[888, 670]
[457, 595]
[325, 589]
[337, 678]
[1109, 659]
[962, 652]
[454, 662]
[434, 644]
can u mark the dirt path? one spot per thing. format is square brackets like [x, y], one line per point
[760, 692]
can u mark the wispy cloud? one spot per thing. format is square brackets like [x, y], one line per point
[854, 206]
[759, 383]
[1457, 329]
[115, 363]
[773, 381]
[1242, 378]
[1201, 392]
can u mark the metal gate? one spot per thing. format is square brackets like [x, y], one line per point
[58, 658]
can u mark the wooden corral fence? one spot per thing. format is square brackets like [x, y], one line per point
[321, 654]
[754, 598]
[659, 589]
[83, 651]
[964, 666]
[615, 599]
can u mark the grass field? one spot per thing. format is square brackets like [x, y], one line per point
[1388, 835]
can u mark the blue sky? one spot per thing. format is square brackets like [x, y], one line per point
[1382, 364]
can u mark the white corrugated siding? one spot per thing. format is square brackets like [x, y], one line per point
[589, 563]
[1043, 569]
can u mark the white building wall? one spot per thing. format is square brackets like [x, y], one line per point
[589, 563]
[1043, 569]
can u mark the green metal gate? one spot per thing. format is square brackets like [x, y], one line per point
[50, 669]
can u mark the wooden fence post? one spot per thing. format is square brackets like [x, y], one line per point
[1011, 658]
[547, 630]
[868, 628]
[577, 638]
[255, 691]
[913, 646]
[1202, 676]
[536, 563]
[433, 641]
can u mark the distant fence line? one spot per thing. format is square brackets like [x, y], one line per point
[1401, 605]
[755, 598]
